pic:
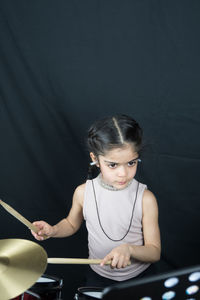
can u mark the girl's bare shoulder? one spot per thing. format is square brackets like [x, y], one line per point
[149, 199]
[79, 194]
[80, 189]
[148, 194]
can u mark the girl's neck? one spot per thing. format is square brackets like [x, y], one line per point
[108, 186]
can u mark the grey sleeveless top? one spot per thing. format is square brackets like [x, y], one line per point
[115, 210]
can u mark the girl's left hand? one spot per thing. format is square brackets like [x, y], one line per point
[119, 257]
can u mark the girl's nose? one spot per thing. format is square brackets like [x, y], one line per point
[121, 171]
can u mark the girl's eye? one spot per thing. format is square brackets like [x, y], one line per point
[112, 165]
[131, 163]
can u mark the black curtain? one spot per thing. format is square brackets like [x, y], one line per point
[63, 64]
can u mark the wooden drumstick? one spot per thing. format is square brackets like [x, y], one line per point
[19, 217]
[82, 261]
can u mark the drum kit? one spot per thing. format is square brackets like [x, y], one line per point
[22, 267]
[23, 263]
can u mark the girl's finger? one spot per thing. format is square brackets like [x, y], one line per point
[105, 260]
[115, 260]
[120, 262]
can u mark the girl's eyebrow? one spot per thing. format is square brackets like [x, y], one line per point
[112, 162]
[134, 159]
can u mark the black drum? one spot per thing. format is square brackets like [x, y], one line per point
[84, 293]
[45, 288]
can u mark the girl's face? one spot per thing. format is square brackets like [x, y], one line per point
[119, 166]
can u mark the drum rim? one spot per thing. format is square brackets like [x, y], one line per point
[91, 288]
[83, 289]
[38, 287]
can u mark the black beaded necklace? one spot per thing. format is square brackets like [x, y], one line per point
[115, 240]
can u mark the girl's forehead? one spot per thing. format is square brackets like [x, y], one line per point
[125, 153]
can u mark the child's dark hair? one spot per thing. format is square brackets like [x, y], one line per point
[113, 132]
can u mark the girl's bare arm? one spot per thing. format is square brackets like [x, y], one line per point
[68, 225]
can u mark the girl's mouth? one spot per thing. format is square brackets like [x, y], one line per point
[122, 182]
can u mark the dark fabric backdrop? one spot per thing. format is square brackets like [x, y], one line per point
[63, 64]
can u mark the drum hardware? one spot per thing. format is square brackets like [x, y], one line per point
[46, 288]
[28, 295]
[22, 262]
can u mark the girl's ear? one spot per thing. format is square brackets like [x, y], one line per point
[94, 159]
[92, 156]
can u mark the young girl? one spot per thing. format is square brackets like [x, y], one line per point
[121, 214]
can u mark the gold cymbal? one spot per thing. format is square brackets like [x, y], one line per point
[22, 262]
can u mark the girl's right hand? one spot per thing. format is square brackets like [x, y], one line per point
[45, 230]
